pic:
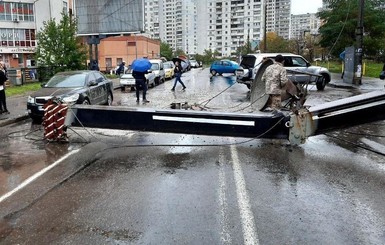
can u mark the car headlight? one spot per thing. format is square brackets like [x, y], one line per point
[70, 99]
[31, 100]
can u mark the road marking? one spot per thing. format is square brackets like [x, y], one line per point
[250, 235]
[36, 175]
[225, 233]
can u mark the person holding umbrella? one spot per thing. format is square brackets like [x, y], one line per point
[178, 74]
[140, 68]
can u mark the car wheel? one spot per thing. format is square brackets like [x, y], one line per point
[86, 102]
[321, 83]
[109, 99]
[213, 72]
[123, 88]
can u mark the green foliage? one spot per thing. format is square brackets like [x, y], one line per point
[339, 29]
[179, 52]
[22, 90]
[59, 47]
[208, 57]
[371, 68]
[166, 50]
[276, 44]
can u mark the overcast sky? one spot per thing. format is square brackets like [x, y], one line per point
[305, 6]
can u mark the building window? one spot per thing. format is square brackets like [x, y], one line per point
[16, 11]
[65, 7]
[17, 37]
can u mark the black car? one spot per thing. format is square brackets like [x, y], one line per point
[72, 87]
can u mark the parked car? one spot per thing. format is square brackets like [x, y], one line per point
[194, 64]
[223, 66]
[185, 66]
[72, 87]
[169, 69]
[158, 69]
[293, 63]
[113, 71]
[127, 80]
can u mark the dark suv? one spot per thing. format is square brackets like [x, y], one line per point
[299, 69]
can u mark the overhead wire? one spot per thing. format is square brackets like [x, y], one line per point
[342, 29]
[356, 145]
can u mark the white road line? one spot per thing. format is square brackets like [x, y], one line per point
[35, 176]
[225, 233]
[250, 235]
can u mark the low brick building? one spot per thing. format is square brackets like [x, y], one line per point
[113, 50]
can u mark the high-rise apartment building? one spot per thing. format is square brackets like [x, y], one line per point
[278, 17]
[172, 21]
[218, 25]
[302, 23]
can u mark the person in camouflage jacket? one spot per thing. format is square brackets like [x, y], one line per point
[277, 83]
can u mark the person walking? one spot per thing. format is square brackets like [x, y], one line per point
[3, 79]
[178, 74]
[140, 83]
[278, 86]
[120, 69]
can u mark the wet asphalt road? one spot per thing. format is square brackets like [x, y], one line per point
[128, 187]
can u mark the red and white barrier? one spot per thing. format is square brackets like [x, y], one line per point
[53, 121]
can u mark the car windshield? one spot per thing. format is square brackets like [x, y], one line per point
[66, 81]
[155, 66]
[128, 71]
[248, 61]
[167, 65]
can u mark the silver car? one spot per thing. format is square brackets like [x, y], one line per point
[128, 81]
[299, 69]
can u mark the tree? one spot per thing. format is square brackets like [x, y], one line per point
[166, 50]
[340, 23]
[59, 47]
[179, 52]
[275, 43]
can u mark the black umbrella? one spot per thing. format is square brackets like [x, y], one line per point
[178, 59]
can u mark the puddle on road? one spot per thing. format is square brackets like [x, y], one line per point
[24, 153]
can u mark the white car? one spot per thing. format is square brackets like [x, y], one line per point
[113, 71]
[127, 80]
[158, 70]
[299, 69]
[194, 64]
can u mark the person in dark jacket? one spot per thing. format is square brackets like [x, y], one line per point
[120, 69]
[95, 65]
[178, 74]
[3, 79]
[140, 82]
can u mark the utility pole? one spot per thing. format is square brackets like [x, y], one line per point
[359, 39]
[264, 27]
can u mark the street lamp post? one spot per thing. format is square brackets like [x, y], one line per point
[264, 27]
[359, 39]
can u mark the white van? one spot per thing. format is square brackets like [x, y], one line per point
[158, 69]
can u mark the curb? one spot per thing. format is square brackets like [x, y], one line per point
[8, 121]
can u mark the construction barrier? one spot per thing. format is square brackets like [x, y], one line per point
[53, 121]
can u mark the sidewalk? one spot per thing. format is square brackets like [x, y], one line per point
[17, 105]
[368, 83]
